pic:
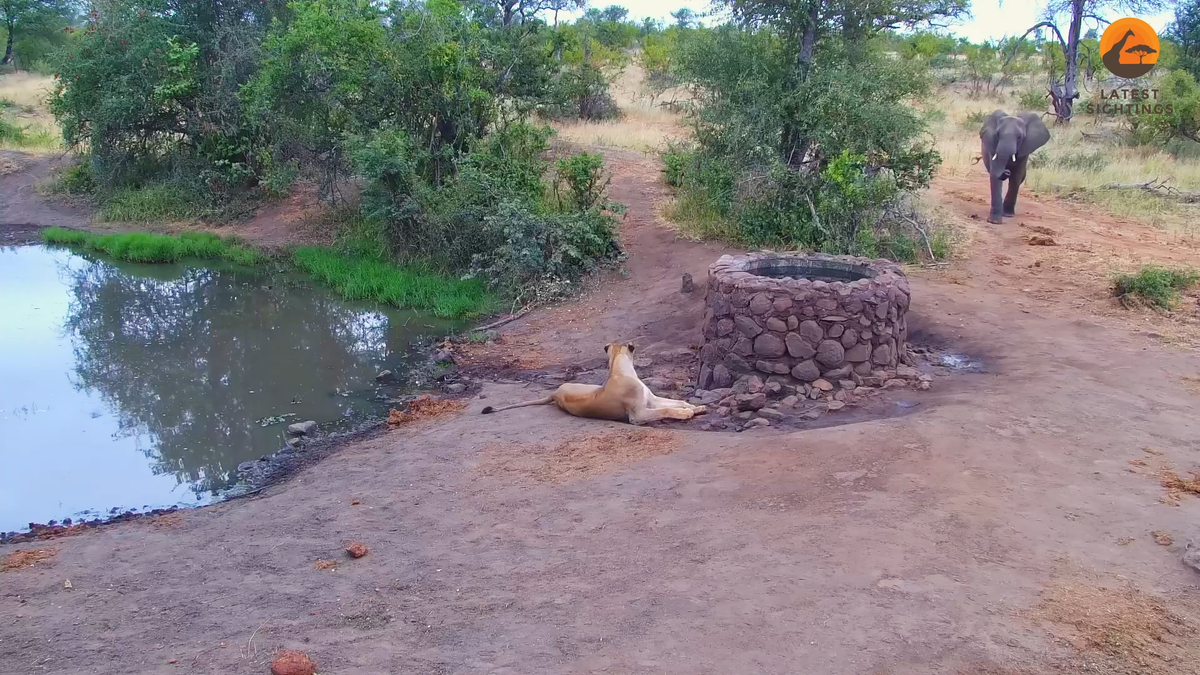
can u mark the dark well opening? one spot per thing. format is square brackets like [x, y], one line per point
[817, 270]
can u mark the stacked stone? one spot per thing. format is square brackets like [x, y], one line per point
[799, 328]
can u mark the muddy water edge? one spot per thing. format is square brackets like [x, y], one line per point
[127, 387]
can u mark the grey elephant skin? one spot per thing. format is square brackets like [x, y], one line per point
[1007, 141]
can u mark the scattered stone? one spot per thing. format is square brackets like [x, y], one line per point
[355, 502]
[839, 395]
[924, 385]
[907, 372]
[325, 565]
[870, 381]
[745, 415]
[723, 410]
[811, 414]
[754, 384]
[67, 585]
[290, 662]
[688, 284]
[443, 356]
[385, 376]
[758, 422]
[848, 385]
[835, 405]
[823, 385]
[293, 442]
[773, 389]
[814, 394]
[356, 549]
[789, 401]
[770, 414]
[776, 324]
[705, 397]
[1191, 556]
[306, 428]
[751, 401]
[456, 388]
[895, 383]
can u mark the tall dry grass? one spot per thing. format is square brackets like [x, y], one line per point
[644, 127]
[1080, 161]
[27, 93]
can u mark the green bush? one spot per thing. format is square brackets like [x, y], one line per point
[1083, 161]
[1154, 286]
[77, 179]
[1032, 99]
[153, 203]
[1179, 90]
[581, 181]
[973, 120]
[545, 255]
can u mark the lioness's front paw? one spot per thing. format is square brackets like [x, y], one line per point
[699, 409]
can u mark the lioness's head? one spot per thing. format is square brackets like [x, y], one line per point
[615, 349]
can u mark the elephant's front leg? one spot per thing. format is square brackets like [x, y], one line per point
[1014, 184]
[995, 215]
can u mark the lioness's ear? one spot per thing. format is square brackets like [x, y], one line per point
[605, 349]
[630, 345]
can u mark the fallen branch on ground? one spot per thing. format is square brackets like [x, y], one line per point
[1157, 187]
[507, 319]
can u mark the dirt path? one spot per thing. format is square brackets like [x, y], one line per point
[1000, 528]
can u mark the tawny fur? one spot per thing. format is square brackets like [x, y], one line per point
[623, 397]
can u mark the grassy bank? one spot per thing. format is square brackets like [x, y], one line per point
[147, 247]
[412, 286]
[407, 286]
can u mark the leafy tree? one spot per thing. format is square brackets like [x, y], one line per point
[685, 18]
[1064, 90]
[1184, 31]
[21, 17]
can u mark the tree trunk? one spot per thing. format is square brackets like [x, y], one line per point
[8, 47]
[794, 144]
[1064, 98]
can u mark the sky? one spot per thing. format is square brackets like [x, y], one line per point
[991, 19]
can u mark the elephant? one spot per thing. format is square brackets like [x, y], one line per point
[1007, 142]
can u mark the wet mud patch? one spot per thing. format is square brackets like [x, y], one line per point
[580, 457]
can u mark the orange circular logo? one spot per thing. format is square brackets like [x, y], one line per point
[1129, 48]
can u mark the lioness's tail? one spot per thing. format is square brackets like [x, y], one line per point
[540, 401]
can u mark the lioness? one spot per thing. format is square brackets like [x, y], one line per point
[622, 398]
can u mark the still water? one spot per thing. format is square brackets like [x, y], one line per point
[126, 386]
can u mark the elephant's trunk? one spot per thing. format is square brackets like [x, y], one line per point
[1003, 160]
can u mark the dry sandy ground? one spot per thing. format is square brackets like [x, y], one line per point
[999, 528]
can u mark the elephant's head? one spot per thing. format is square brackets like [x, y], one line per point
[1006, 138]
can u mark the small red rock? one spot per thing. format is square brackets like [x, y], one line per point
[354, 502]
[356, 549]
[293, 663]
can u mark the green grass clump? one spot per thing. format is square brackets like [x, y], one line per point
[1155, 286]
[157, 202]
[146, 247]
[410, 286]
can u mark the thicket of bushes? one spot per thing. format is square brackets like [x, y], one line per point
[811, 147]
[187, 109]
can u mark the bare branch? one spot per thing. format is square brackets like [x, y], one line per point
[1043, 24]
[1093, 16]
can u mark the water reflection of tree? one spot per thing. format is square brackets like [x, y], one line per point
[177, 357]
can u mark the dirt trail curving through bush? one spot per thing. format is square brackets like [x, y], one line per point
[999, 528]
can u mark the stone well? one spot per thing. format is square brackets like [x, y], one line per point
[802, 317]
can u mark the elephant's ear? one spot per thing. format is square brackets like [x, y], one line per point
[1036, 133]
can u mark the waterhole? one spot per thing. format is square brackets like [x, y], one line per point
[127, 386]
